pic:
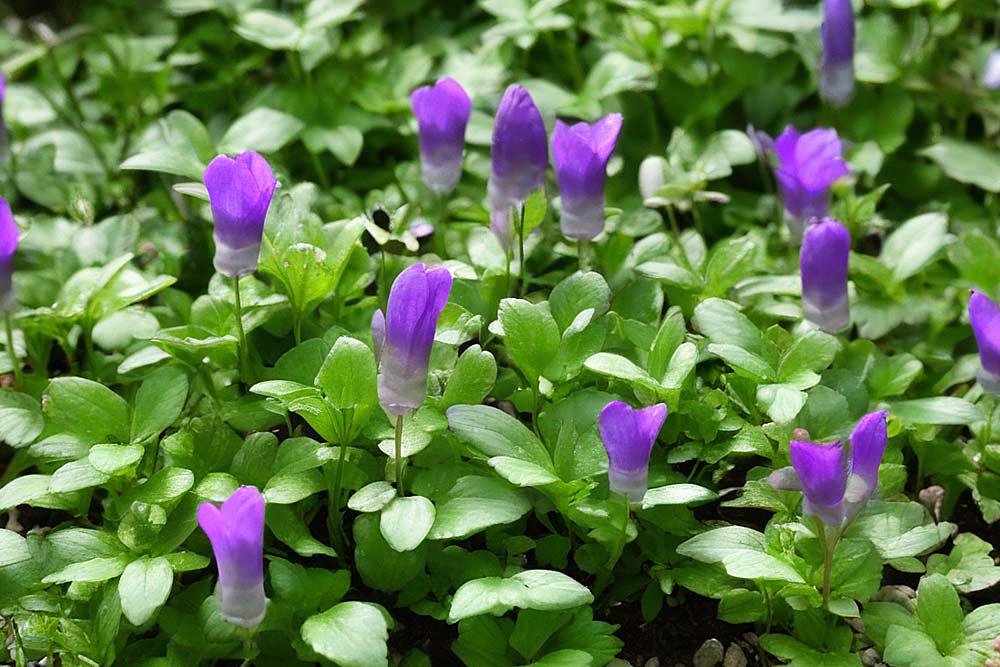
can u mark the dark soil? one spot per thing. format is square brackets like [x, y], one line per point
[677, 633]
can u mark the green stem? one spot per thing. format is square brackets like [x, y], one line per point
[829, 544]
[338, 477]
[624, 536]
[399, 456]
[582, 259]
[324, 180]
[520, 235]
[506, 289]
[12, 352]
[240, 331]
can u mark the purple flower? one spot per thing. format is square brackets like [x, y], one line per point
[807, 165]
[237, 536]
[404, 335]
[240, 191]
[822, 471]
[834, 488]
[442, 112]
[581, 155]
[984, 316]
[823, 262]
[8, 245]
[836, 79]
[991, 74]
[628, 437]
[519, 155]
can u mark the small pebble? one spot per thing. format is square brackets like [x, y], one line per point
[903, 595]
[709, 654]
[618, 662]
[652, 662]
[856, 624]
[734, 657]
[870, 657]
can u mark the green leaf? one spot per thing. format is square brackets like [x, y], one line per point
[967, 163]
[735, 339]
[178, 145]
[940, 611]
[472, 379]
[159, 402]
[85, 409]
[531, 589]
[914, 243]
[21, 418]
[291, 487]
[263, 129]
[677, 494]
[13, 548]
[531, 335]
[144, 587]
[372, 497]
[289, 527]
[347, 376]
[969, 567]
[475, 503]
[495, 433]
[405, 522]
[618, 367]
[269, 29]
[351, 634]
[576, 294]
[940, 410]
[535, 207]
[24, 490]
[112, 459]
[741, 551]
[93, 570]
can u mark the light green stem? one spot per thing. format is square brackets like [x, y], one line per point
[12, 351]
[399, 456]
[240, 331]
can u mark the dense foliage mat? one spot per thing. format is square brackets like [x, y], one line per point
[371, 391]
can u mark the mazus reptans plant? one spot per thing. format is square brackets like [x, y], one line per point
[581, 154]
[442, 112]
[403, 337]
[236, 531]
[519, 156]
[823, 263]
[805, 166]
[239, 192]
[835, 481]
[984, 316]
[9, 235]
[836, 78]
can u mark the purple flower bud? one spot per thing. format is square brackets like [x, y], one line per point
[628, 437]
[834, 489]
[404, 336]
[240, 191]
[823, 263]
[836, 82]
[519, 155]
[867, 448]
[237, 536]
[984, 316]
[991, 73]
[822, 469]
[808, 164]
[442, 112]
[8, 245]
[581, 154]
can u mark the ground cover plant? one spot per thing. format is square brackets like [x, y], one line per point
[501, 333]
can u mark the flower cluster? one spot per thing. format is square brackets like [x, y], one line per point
[836, 481]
